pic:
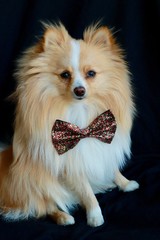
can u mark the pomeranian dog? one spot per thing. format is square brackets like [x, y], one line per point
[74, 82]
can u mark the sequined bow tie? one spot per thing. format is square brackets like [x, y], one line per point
[66, 135]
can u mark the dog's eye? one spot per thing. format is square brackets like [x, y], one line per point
[91, 74]
[65, 75]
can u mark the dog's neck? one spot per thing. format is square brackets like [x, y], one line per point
[82, 114]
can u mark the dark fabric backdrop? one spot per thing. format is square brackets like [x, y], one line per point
[136, 23]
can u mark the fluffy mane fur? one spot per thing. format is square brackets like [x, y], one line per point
[37, 181]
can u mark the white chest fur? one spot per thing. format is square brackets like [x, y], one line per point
[97, 160]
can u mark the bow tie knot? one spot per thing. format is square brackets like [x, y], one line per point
[66, 135]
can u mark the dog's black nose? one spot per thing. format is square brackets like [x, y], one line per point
[79, 91]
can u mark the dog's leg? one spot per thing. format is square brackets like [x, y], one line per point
[62, 218]
[125, 184]
[89, 201]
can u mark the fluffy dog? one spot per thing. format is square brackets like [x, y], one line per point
[74, 81]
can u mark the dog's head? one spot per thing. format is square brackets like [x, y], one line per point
[61, 68]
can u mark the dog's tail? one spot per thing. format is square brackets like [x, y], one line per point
[29, 191]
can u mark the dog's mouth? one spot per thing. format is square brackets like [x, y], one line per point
[79, 98]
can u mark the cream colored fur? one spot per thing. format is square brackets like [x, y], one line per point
[36, 181]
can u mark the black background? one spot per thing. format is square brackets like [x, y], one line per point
[136, 24]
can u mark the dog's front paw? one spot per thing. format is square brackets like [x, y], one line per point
[95, 218]
[131, 186]
[62, 218]
[65, 220]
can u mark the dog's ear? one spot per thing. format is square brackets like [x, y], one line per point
[55, 35]
[101, 36]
